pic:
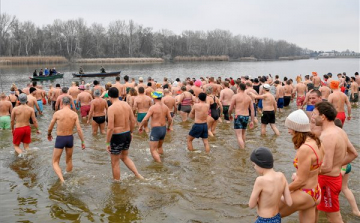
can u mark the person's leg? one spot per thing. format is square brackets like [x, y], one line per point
[301, 202]
[213, 127]
[115, 166]
[94, 127]
[26, 146]
[55, 162]
[349, 195]
[243, 135]
[206, 145]
[17, 149]
[129, 163]
[263, 129]
[210, 122]
[69, 152]
[239, 138]
[146, 128]
[276, 131]
[154, 152]
[183, 116]
[189, 143]
[307, 215]
[334, 217]
[102, 128]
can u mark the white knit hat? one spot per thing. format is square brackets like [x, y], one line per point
[298, 121]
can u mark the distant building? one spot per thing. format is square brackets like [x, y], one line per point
[347, 53]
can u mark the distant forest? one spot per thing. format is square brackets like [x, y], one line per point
[75, 39]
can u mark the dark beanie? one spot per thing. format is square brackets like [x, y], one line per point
[263, 158]
[32, 89]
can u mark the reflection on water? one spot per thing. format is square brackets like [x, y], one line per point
[187, 187]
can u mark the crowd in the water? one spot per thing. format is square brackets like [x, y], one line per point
[120, 109]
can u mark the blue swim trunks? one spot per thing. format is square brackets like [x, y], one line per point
[280, 103]
[158, 133]
[241, 122]
[275, 219]
[260, 104]
[199, 130]
[40, 104]
[310, 107]
[64, 141]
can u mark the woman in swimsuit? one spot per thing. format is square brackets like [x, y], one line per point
[305, 191]
[13, 98]
[186, 101]
[214, 111]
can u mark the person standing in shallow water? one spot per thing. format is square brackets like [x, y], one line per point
[121, 124]
[66, 120]
[158, 112]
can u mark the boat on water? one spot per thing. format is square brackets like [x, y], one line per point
[107, 74]
[48, 77]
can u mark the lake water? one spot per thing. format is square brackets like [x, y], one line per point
[186, 187]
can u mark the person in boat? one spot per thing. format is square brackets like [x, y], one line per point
[81, 70]
[54, 71]
[35, 74]
[102, 70]
[41, 72]
[51, 72]
[46, 72]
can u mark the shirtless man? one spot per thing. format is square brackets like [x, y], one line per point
[341, 80]
[120, 87]
[287, 93]
[316, 81]
[27, 89]
[300, 90]
[54, 95]
[357, 79]
[32, 102]
[97, 86]
[354, 87]
[5, 112]
[339, 99]
[149, 90]
[279, 95]
[74, 92]
[127, 85]
[249, 88]
[50, 93]
[64, 92]
[142, 104]
[158, 114]
[39, 94]
[242, 104]
[98, 111]
[325, 92]
[141, 83]
[22, 133]
[269, 109]
[84, 100]
[121, 122]
[200, 129]
[175, 88]
[338, 152]
[329, 79]
[225, 98]
[65, 120]
[170, 102]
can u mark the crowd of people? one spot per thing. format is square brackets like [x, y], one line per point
[323, 150]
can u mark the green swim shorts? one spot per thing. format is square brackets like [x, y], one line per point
[141, 116]
[5, 122]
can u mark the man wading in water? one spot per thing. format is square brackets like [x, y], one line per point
[66, 120]
[121, 123]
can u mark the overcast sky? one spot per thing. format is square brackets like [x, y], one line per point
[313, 24]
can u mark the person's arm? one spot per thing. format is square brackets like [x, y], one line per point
[169, 118]
[286, 194]
[37, 106]
[33, 118]
[220, 106]
[192, 113]
[175, 107]
[254, 197]
[348, 105]
[277, 94]
[11, 107]
[91, 112]
[149, 113]
[252, 112]
[305, 101]
[275, 106]
[57, 104]
[303, 170]
[132, 120]
[51, 126]
[232, 105]
[73, 104]
[80, 133]
[328, 160]
[12, 119]
[110, 129]
[351, 153]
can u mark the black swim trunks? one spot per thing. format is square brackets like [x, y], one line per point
[120, 142]
[287, 100]
[64, 141]
[199, 130]
[99, 120]
[268, 117]
[157, 133]
[226, 112]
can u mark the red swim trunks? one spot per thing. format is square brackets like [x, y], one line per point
[22, 134]
[85, 109]
[44, 101]
[330, 190]
[341, 116]
[300, 100]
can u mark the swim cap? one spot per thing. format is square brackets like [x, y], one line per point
[156, 94]
[298, 121]
[314, 73]
[198, 83]
[22, 98]
[334, 84]
[266, 86]
[175, 84]
[263, 158]
[298, 79]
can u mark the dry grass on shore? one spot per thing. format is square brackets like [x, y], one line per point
[120, 60]
[202, 58]
[32, 60]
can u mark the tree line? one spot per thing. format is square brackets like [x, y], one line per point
[75, 39]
